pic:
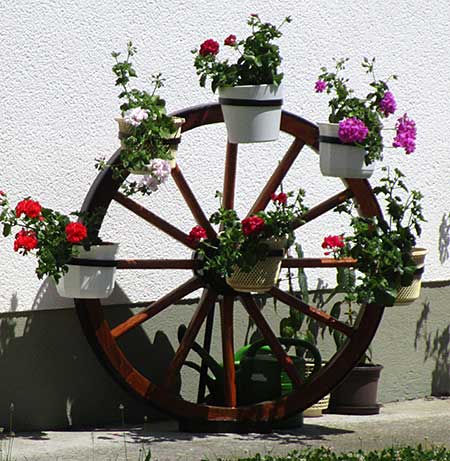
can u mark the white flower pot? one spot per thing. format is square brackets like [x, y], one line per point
[338, 159]
[252, 113]
[173, 141]
[86, 281]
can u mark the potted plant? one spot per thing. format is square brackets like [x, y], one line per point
[352, 139]
[248, 253]
[81, 265]
[149, 137]
[250, 90]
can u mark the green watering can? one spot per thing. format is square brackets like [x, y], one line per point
[259, 375]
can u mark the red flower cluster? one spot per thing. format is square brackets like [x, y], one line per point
[28, 207]
[252, 225]
[2, 193]
[333, 242]
[209, 46]
[75, 232]
[280, 198]
[197, 233]
[230, 40]
[25, 239]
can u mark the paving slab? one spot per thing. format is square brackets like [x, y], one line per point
[425, 421]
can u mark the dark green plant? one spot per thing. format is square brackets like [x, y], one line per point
[345, 104]
[257, 64]
[147, 139]
[235, 247]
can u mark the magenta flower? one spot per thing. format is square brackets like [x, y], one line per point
[405, 134]
[320, 86]
[352, 130]
[388, 104]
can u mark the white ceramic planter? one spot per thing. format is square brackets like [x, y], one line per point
[338, 159]
[252, 113]
[90, 282]
[173, 141]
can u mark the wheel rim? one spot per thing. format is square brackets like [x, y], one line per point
[103, 339]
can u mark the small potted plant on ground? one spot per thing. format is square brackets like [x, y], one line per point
[352, 140]
[250, 90]
[149, 137]
[81, 265]
[248, 253]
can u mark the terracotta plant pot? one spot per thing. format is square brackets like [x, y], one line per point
[410, 293]
[252, 113]
[338, 159]
[172, 141]
[357, 394]
[85, 279]
[264, 274]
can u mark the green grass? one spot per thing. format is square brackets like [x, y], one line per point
[418, 453]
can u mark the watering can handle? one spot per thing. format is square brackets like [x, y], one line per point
[251, 351]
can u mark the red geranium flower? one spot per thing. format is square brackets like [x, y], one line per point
[333, 243]
[230, 40]
[75, 232]
[2, 193]
[25, 239]
[209, 46]
[280, 198]
[28, 207]
[196, 234]
[252, 225]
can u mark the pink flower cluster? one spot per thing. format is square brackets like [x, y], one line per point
[405, 134]
[388, 104]
[320, 86]
[159, 172]
[135, 116]
[352, 130]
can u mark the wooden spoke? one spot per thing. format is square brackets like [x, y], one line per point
[318, 262]
[312, 311]
[229, 179]
[207, 346]
[192, 202]
[158, 264]
[277, 176]
[158, 222]
[156, 307]
[277, 349]
[226, 315]
[323, 207]
[206, 302]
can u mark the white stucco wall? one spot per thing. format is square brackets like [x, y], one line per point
[58, 104]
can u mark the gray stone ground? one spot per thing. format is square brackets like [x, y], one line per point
[424, 421]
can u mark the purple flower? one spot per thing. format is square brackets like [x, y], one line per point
[388, 104]
[160, 169]
[405, 134]
[320, 86]
[352, 130]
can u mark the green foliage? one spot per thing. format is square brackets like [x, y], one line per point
[345, 104]
[233, 247]
[258, 62]
[146, 141]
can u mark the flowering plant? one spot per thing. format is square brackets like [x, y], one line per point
[145, 129]
[51, 236]
[257, 64]
[361, 119]
[243, 243]
[382, 246]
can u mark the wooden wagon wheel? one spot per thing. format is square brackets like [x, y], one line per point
[229, 417]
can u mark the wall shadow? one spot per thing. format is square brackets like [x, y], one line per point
[444, 238]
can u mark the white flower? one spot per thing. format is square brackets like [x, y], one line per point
[160, 169]
[150, 183]
[135, 116]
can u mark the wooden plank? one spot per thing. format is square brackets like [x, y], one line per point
[158, 264]
[318, 262]
[229, 179]
[226, 313]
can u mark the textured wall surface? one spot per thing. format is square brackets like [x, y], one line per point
[58, 104]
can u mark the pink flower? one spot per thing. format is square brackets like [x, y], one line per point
[352, 130]
[209, 46]
[230, 40]
[405, 134]
[320, 86]
[388, 104]
[135, 116]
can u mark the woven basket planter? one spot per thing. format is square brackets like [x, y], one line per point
[410, 293]
[264, 274]
[318, 408]
[172, 141]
